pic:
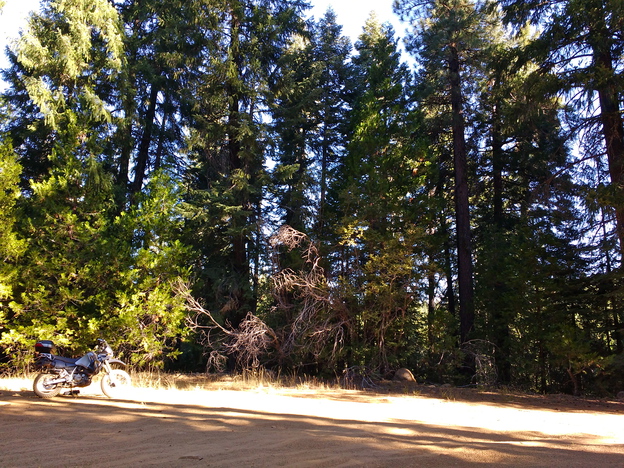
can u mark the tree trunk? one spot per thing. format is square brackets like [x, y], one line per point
[320, 222]
[462, 208]
[448, 271]
[160, 149]
[431, 285]
[610, 116]
[240, 262]
[500, 319]
[613, 132]
[127, 144]
[142, 159]
[497, 169]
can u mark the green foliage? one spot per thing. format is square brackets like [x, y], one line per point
[11, 246]
[370, 199]
[149, 144]
[89, 270]
[61, 275]
[227, 148]
[87, 275]
[60, 51]
[150, 312]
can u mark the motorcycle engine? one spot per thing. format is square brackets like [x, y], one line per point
[81, 380]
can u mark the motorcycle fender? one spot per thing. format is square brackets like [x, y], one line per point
[43, 362]
[117, 361]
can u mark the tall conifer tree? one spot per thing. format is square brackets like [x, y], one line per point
[591, 29]
[89, 269]
[447, 38]
[228, 145]
[370, 198]
[523, 183]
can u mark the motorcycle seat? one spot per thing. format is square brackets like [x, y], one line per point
[60, 362]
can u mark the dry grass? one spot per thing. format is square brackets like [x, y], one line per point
[241, 382]
[268, 382]
[159, 380]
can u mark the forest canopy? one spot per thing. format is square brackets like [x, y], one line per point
[231, 184]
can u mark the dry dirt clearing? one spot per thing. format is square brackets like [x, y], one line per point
[269, 427]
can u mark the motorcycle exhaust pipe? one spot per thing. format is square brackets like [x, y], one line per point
[56, 381]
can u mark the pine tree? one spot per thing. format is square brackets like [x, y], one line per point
[294, 103]
[331, 51]
[524, 186]
[70, 52]
[591, 87]
[67, 51]
[82, 275]
[371, 202]
[228, 146]
[165, 45]
[310, 122]
[590, 29]
[448, 36]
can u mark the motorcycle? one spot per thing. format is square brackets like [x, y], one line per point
[58, 373]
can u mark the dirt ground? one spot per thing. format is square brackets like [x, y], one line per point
[415, 426]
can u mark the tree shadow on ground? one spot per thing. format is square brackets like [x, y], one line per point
[91, 431]
[510, 398]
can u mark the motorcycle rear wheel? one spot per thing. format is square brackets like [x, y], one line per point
[42, 389]
[115, 383]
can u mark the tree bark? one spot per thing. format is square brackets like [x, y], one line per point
[431, 285]
[500, 317]
[462, 207]
[142, 159]
[239, 257]
[613, 132]
[610, 116]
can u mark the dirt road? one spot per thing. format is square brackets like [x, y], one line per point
[271, 428]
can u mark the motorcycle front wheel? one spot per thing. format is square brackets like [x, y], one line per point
[44, 390]
[114, 383]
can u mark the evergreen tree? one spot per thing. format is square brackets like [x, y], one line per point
[166, 44]
[448, 38]
[522, 180]
[309, 116]
[527, 199]
[592, 87]
[592, 30]
[58, 108]
[82, 276]
[372, 187]
[11, 247]
[294, 102]
[227, 146]
[148, 311]
[331, 51]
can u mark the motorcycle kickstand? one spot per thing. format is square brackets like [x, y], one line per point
[72, 392]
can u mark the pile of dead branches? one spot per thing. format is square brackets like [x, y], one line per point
[314, 327]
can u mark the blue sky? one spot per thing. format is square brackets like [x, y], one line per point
[351, 15]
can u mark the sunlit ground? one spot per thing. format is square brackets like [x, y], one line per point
[350, 405]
